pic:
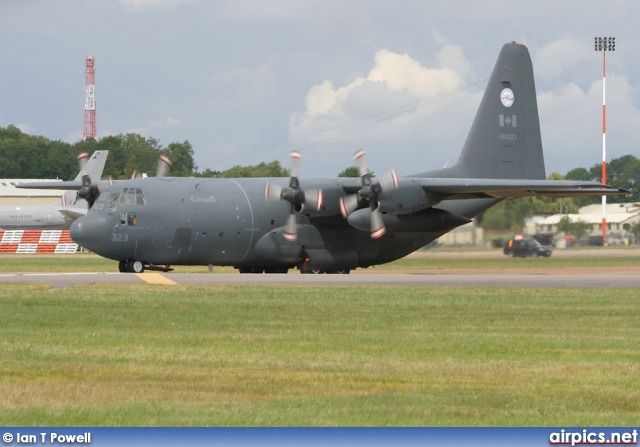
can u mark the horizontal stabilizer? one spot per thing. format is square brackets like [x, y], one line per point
[457, 189]
[72, 214]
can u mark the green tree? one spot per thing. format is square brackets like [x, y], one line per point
[181, 155]
[579, 174]
[28, 156]
[272, 169]
[564, 224]
[578, 228]
[209, 173]
[622, 172]
[351, 171]
[511, 214]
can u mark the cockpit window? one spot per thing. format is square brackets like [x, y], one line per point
[108, 196]
[132, 196]
[140, 197]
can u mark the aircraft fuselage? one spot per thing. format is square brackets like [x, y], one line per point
[228, 222]
[38, 217]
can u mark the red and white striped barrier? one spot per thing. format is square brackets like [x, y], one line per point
[36, 241]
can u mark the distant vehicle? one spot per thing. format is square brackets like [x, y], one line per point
[521, 247]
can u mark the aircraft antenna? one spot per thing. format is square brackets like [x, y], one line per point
[90, 100]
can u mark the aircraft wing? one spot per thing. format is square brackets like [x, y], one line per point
[51, 185]
[461, 188]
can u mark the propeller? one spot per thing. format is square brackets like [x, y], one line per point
[164, 163]
[70, 197]
[368, 194]
[83, 158]
[294, 195]
[88, 191]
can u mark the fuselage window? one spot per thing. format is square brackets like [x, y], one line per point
[128, 219]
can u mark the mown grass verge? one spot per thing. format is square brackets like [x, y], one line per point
[318, 356]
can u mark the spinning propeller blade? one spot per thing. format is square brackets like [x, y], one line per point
[164, 163]
[294, 195]
[369, 193]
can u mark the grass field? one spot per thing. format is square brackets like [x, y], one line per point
[312, 356]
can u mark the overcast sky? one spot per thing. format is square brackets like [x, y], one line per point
[246, 81]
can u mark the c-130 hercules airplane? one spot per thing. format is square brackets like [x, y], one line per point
[332, 225]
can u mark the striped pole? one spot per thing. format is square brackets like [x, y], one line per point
[604, 44]
[604, 145]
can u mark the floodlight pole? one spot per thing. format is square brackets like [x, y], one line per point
[604, 44]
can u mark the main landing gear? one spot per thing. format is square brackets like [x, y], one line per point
[257, 269]
[330, 272]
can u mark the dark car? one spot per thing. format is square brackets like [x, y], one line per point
[520, 247]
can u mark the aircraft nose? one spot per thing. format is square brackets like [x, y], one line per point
[92, 232]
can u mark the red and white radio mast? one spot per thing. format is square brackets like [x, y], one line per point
[90, 100]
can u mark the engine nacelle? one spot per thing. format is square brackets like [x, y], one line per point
[425, 221]
[408, 198]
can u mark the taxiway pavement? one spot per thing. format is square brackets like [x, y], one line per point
[532, 278]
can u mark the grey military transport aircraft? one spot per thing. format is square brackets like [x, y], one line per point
[58, 215]
[332, 225]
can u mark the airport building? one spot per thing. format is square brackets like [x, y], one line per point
[10, 195]
[620, 220]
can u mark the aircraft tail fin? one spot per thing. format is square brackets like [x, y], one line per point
[504, 141]
[94, 166]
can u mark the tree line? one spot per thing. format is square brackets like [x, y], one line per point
[37, 157]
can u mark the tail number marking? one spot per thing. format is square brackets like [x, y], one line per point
[508, 136]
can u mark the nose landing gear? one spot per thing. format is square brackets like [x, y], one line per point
[131, 266]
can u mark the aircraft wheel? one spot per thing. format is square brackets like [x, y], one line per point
[122, 266]
[135, 266]
[511, 254]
